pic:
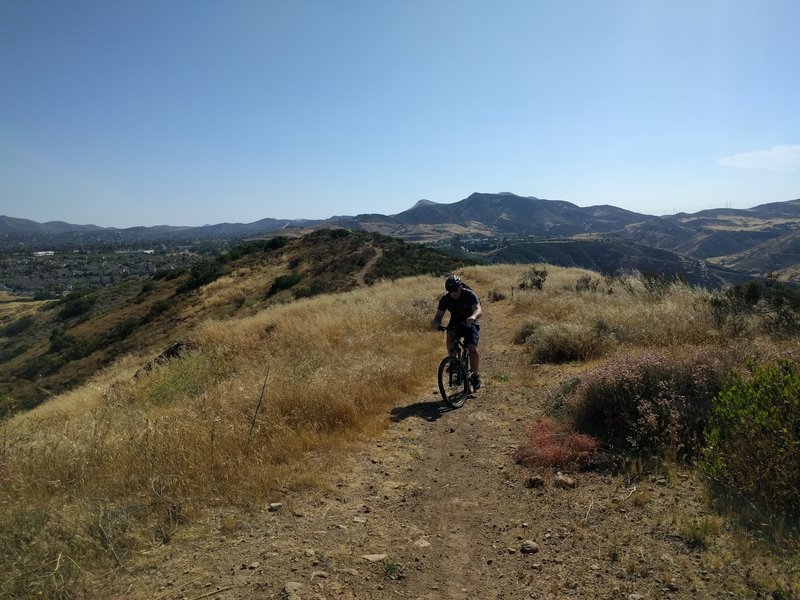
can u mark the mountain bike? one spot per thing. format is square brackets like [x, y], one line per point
[455, 373]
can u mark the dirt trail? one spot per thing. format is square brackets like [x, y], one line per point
[361, 275]
[440, 495]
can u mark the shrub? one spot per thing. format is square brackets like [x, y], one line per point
[184, 378]
[552, 444]
[74, 307]
[564, 342]
[527, 330]
[202, 272]
[17, 327]
[775, 306]
[156, 309]
[70, 346]
[45, 295]
[699, 532]
[147, 288]
[587, 283]
[120, 331]
[307, 291]
[168, 273]
[496, 296]
[535, 278]
[753, 438]
[652, 404]
[283, 282]
[255, 246]
[657, 285]
[393, 569]
[9, 352]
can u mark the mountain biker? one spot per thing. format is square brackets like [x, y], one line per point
[465, 310]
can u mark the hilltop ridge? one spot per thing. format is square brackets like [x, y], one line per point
[48, 347]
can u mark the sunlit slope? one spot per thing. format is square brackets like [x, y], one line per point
[52, 349]
[268, 400]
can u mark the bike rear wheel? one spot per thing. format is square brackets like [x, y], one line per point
[453, 382]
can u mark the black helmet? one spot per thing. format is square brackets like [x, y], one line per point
[452, 283]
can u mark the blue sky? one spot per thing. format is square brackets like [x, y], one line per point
[190, 112]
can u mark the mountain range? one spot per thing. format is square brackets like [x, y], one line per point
[714, 246]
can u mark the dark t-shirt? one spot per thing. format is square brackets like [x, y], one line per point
[459, 309]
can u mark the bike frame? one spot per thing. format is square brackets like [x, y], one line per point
[455, 384]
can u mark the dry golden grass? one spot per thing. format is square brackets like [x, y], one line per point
[328, 361]
[625, 310]
[13, 307]
[729, 223]
[266, 402]
[196, 431]
[245, 282]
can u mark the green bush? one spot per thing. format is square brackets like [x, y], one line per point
[202, 272]
[283, 282]
[168, 273]
[753, 438]
[70, 346]
[184, 378]
[75, 307]
[307, 291]
[9, 352]
[775, 306]
[256, 246]
[156, 309]
[120, 331]
[17, 327]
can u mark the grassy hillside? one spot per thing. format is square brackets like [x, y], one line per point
[48, 348]
[269, 394]
[613, 255]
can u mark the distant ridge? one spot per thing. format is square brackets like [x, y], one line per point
[421, 203]
[756, 241]
[11, 225]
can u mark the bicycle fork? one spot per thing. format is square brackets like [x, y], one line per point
[460, 374]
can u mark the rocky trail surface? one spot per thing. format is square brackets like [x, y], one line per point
[436, 507]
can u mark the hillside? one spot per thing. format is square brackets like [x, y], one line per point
[49, 347]
[300, 450]
[752, 242]
[613, 255]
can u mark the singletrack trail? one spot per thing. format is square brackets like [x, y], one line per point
[436, 507]
[361, 275]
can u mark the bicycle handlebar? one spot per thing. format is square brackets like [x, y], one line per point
[458, 327]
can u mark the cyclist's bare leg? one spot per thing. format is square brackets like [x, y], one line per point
[451, 342]
[474, 358]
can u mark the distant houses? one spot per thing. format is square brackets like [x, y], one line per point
[52, 252]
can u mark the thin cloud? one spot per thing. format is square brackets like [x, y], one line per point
[784, 159]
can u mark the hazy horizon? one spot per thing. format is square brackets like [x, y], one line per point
[337, 215]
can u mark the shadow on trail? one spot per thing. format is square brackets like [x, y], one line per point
[430, 411]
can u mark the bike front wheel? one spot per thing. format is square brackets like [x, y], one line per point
[453, 382]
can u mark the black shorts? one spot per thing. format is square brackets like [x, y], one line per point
[471, 335]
